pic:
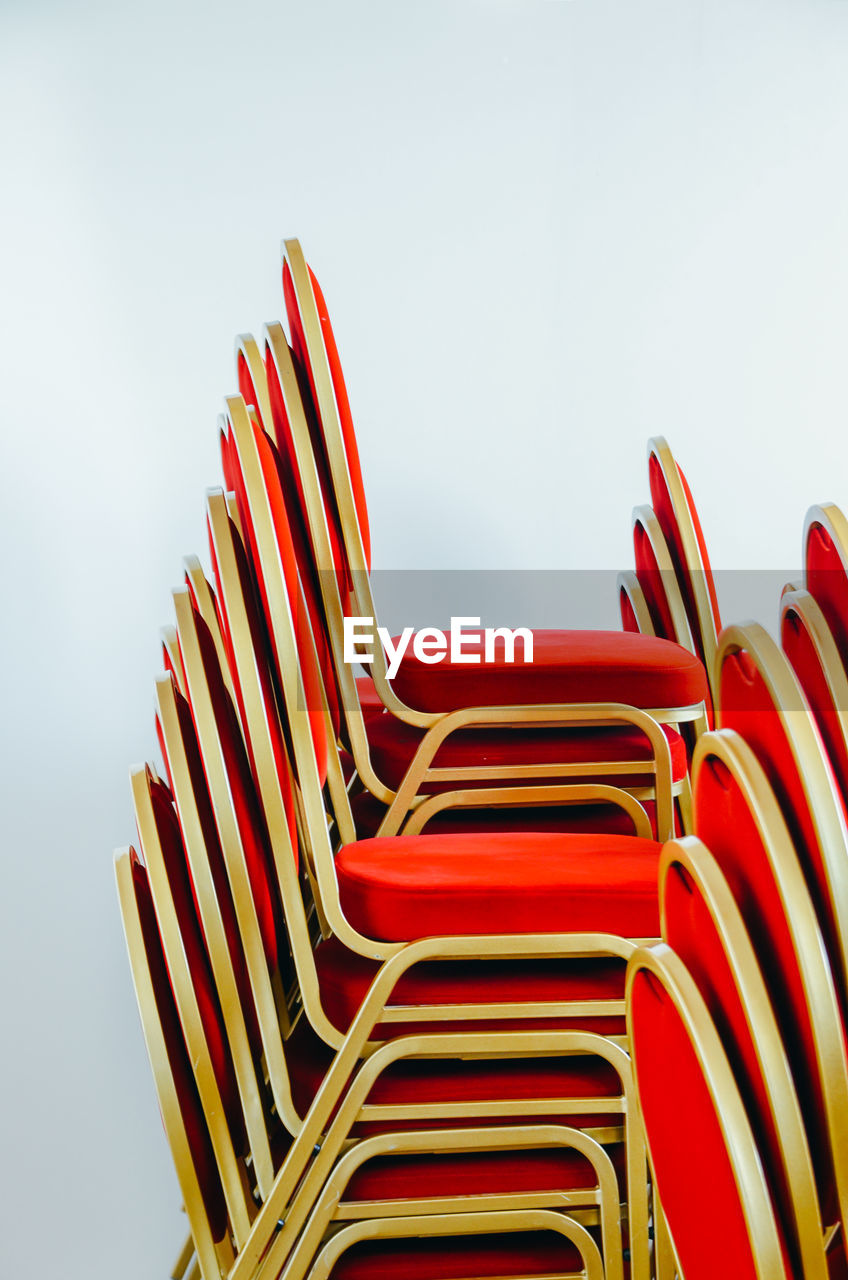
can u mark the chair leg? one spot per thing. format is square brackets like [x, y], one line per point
[194, 1272]
[665, 1263]
[181, 1264]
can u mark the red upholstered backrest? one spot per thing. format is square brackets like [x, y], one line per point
[295, 501]
[310, 670]
[339, 389]
[160, 738]
[827, 583]
[200, 1145]
[669, 520]
[724, 821]
[215, 859]
[651, 581]
[263, 667]
[693, 1172]
[246, 386]
[748, 707]
[801, 652]
[247, 809]
[182, 893]
[702, 547]
[690, 931]
[628, 617]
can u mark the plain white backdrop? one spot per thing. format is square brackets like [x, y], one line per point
[546, 230]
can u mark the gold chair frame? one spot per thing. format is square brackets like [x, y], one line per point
[817, 976]
[438, 727]
[693, 856]
[405, 955]
[662, 963]
[694, 564]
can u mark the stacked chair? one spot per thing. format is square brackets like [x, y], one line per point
[497, 970]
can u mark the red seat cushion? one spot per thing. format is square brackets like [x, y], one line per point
[430, 1081]
[423, 886]
[368, 813]
[460, 1257]
[474, 1173]
[393, 744]
[567, 666]
[345, 978]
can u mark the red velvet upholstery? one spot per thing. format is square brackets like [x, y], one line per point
[801, 652]
[475, 1173]
[393, 744]
[182, 893]
[246, 387]
[724, 822]
[345, 977]
[217, 868]
[702, 548]
[747, 706]
[298, 529]
[261, 659]
[827, 583]
[420, 886]
[651, 581]
[690, 932]
[669, 520]
[339, 391]
[460, 1258]
[628, 617]
[435, 1080]
[567, 666]
[693, 1174]
[200, 1145]
[248, 812]
[285, 545]
[610, 819]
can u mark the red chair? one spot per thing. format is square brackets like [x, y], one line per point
[826, 569]
[318, 455]
[678, 519]
[703, 925]
[657, 578]
[809, 645]
[331, 993]
[703, 1154]
[737, 815]
[759, 696]
[224, 1249]
[474, 748]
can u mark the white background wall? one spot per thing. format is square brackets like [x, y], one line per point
[546, 230]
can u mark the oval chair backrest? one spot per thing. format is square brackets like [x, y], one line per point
[320, 558]
[760, 698]
[675, 510]
[704, 927]
[826, 569]
[253, 380]
[737, 816]
[173, 897]
[270, 740]
[315, 347]
[272, 556]
[245, 844]
[658, 580]
[179, 1102]
[810, 647]
[704, 1159]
